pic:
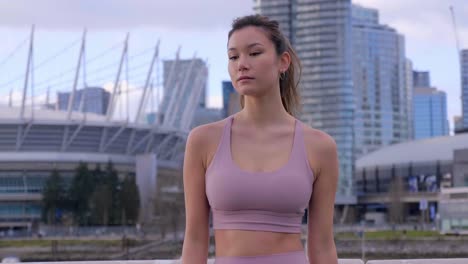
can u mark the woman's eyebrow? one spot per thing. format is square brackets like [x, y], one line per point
[249, 46]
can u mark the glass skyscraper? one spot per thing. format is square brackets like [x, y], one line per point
[181, 71]
[180, 79]
[231, 100]
[283, 11]
[380, 83]
[409, 97]
[464, 74]
[89, 99]
[421, 79]
[355, 76]
[430, 113]
[320, 32]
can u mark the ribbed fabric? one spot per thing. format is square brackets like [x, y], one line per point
[294, 257]
[264, 201]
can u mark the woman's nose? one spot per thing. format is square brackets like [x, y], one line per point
[243, 63]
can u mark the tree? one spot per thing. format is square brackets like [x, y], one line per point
[396, 203]
[130, 200]
[111, 179]
[98, 174]
[53, 197]
[101, 205]
[82, 187]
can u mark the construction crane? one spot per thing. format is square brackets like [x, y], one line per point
[455, 30]
[459, 51]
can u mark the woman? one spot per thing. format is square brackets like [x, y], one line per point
[259, 169]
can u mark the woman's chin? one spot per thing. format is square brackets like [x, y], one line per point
[248, 90]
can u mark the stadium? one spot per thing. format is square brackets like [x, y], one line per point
[411, 181]
[30, 148]
[84, 126]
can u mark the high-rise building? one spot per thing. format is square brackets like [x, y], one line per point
[409, 97]
[421, 79]
[458, 123]
[231, 100]
[355, 76]
[206, 115]
[464, 74]
[282, 11]
[184, 82]
[430, 113]
[380, 83]
[89, 99]
[321, 33]
[180, 71]
[364, 16]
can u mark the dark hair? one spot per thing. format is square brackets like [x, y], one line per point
[290, 81]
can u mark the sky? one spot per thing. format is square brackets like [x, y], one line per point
[199, 28]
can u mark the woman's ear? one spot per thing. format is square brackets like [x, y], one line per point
[285, 61]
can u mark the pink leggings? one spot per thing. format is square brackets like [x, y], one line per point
[293, 257]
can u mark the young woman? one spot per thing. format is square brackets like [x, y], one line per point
[259, 169]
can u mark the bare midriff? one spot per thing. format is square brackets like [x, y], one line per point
[232, 243]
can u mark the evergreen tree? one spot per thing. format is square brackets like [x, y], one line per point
[101, 205]
[98, 174]
[82, 187]
[111, 179]
[130, 201]
[53, 197]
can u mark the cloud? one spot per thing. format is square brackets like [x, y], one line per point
[118, 14]
[215, 101]
[423, 21]
[16, 97]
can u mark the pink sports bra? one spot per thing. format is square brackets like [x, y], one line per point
[264, 201]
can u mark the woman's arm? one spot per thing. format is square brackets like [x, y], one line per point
[320, 241]
[196, 240]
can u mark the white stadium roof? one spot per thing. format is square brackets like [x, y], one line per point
[11, 115]
[8, 113]
[425, 150]
[49, 133]
[48, 156]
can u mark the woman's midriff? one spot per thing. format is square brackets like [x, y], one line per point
[232, 243]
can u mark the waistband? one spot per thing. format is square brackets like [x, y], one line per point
[257, 220]
[296, 257]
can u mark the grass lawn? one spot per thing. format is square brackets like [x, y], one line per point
[389, 234]
[64, 242]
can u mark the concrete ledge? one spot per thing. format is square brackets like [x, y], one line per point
[163, 261]
[350, 261]
[211, 261]
[420, 261]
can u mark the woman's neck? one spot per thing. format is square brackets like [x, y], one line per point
[264, 111]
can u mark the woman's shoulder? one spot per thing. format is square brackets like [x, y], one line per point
[206, 132]
[318, 138]
[319, 144]
[206, 137]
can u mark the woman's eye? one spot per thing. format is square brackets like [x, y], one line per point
[255, 53]
[233, 57]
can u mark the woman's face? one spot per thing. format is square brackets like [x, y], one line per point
[254, 65]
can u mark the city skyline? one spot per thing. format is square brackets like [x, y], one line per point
[430, 48]
[321, 34]
[113, 89]
[379, 80]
